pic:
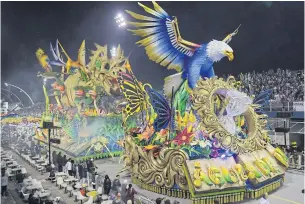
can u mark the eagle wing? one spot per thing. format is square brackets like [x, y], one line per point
[161, 38]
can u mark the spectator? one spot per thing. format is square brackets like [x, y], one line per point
[116, 184]
[4, 182]
[19, 179]
[123, 191]
[130, 193]
[107, 185]
[287, 85]
[216, 201]
[91, 170]
[264, 200]
[118, 200]
[74, 168]
[52, 174]
[167, 202]
[63, 163]
[32, 200]
[159, 200]
[69, 167]
[60, 162]
[83, 171]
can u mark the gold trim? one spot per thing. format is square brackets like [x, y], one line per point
[203, 104]
[162, 170]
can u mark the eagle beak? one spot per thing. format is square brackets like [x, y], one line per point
[229, 55]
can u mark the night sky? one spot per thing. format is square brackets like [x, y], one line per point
[271, 35]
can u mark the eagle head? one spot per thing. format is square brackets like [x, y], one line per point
[216, 50]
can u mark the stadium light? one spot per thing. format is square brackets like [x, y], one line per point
[120, 20]
[7, 84]
[113, 52]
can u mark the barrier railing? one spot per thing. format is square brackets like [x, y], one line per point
[285, 106]
[144, 200]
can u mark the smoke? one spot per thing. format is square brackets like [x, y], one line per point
[22, 73]
[90, 129]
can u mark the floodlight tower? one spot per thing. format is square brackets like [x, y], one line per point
[120, 20]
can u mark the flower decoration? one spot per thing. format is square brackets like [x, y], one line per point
[189, 121]
[149, 131]
[183, 137]
[181, 122]
[163, 132]
[191, 117]
[161, 136]
[79, 93]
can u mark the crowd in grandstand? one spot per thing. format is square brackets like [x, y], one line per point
[287, 85]
[17, 133]
[35, 110]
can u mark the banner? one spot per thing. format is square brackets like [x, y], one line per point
[8, 115]
[298, 106]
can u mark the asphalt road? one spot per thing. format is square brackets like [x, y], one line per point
[290, 193]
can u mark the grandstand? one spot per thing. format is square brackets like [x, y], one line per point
[295, 130]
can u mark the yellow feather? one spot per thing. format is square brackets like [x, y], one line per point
[141, 17]
[175, 67]
[166, 61]
[151, 42]
[146, 41]
[142, 32]
[162, 57]
[149, 10]
[159, 9]
[140, 24]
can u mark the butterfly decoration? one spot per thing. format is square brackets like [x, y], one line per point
[161, 107]
[262, 100]
[134, 93]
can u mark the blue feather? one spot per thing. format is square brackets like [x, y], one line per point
[199, 65]
[262, 99]
[164, 48]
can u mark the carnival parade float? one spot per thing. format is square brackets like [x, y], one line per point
[83, 101]
[202, 138]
